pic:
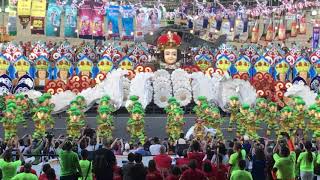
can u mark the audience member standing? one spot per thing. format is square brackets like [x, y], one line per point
[284, 163]
[26, 175]
[138, 171]
[306, 162]
[127, 167]
[9, 167]
[192, 173]
[153, 173]
[196, 153]
[241, 173]
[238, 155]
[258, 164]
[69, 162]
[103, 162]
[155, 148]
[184, 160]
[175, 173]
[86, 166]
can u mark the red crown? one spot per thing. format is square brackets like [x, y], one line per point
[169, 40]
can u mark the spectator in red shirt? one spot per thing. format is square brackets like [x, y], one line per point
[175, 173]
[49, 175]
[193, 173]
[208, 172]
[196, 154]
[220, 170]
[45, 169]
[153, 173]
[116, 172]
[183, 161]
[163, 160]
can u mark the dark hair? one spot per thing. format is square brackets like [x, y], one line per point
[137, 158]
[27, 168]
[259, 154]
[222, 149]
[207, 167]
[284, 151]
[46, 167]
[21, 142]
[193, 164]
[156, 140]
[7, 155]
[84, 154]
[51, 174]
[195, 146]
[131, 157]
[308, 147]
[152, 165]
[175, 170]
[210, 154]
[67, 146]
[182, 135]
[185, 153]
[238, 147]
[242, 164]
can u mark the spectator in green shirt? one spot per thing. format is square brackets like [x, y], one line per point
[86, 166]
[69, 162]
[9, 167]
[241, 174]
[284, 164]
[26, 174]
[306, 162]
[236, 157]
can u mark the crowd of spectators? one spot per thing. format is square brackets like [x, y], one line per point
[90, 158]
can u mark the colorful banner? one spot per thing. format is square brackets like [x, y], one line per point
[112, 15]
[12, 18]
[127, 22]
[85, 14]
[70, 21]
[38, 13]
[97, 21]
[53, 19]
[24, 12]
[315, 37]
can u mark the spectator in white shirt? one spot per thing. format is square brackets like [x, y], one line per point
[155, 147]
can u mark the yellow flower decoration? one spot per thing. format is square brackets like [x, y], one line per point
[42, 64]
[302, 65]
[4, 63]
[223, 63]
[282, 67]
[262, 66]
[85, 65]
[22, 65]
[242, 65]
[63, 64]
[105, 65]
[126, 64]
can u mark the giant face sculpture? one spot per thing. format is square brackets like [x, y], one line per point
[170, 56]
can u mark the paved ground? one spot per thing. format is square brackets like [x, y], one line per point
[154, 125]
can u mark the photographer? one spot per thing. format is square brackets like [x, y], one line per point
[285, 158]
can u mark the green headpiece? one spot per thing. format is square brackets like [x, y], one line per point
[287, 109]
[134, 98]
[312, 107]
[10, 102]
[12, 105]
[74, 102]
[245, 106]
[11, 110]
[300, 102]
[105, 98]
[178, 111]
[318, 110]
[75, 112]
[216, 110]
[80, 98]
[104, 109]
[19, 96]
[137, 110]
[259, 100]
[171, 100]
[41, 99]
[204, 106]
[234, 98]
[43, 109]
[47, 95]
[202, 98]
[272, 104]
[316, 134]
